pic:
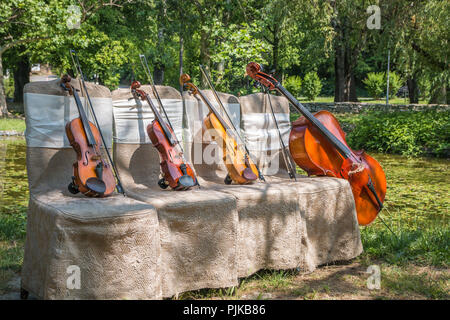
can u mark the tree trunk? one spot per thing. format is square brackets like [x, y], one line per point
[413, 91]
[345, 87]
[158, 72]
[205, 59]
[181, 55]
[276, 54]
[439, 94]
[447, 96]
[21, 78]
[352, 97]
[339, 74]
[3, 106]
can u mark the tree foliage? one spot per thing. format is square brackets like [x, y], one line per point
[408, 133]
[290, 38]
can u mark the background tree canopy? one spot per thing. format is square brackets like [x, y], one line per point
[290, 38]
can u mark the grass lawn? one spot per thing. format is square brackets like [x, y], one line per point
[11, 124]
[13, 207]
[414, 263]
[363, 99]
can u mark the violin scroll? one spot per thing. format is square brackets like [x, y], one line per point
[184, 81]
[135, 85]
[253, 70]
[135, 91]
[65, 79]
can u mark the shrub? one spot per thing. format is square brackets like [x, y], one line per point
[375, 84]
[294, 85]
[407, 133]
[395, 83]
[311, 85]
[9, 86]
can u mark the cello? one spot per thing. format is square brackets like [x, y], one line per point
[241, 169]
[318, 146]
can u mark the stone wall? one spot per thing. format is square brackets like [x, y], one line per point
[358, 107]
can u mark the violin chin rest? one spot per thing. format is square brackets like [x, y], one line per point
[186, 181]
[249, 174]
[96, 185]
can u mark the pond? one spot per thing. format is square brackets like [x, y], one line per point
[418, 188]
[13, 175]
[415, 185]
[417, 201]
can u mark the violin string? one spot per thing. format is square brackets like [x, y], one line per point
[224, 111]
[146, 68]
[83, 94]
[242, 144]
[119, 186]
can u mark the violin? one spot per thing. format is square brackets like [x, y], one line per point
[177, 173]
[241, 169]
[92, 175]
[318, 146]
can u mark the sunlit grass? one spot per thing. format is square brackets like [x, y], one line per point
[13, 207]
[404, 281]
[417, 204]
[12, 124]
[395, 100]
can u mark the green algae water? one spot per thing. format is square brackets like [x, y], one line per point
[13, 207]
[13, 175]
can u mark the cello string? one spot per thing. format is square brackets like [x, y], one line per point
[382, 220]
